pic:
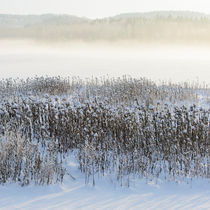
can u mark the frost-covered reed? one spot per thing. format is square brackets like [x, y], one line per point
[122, 127]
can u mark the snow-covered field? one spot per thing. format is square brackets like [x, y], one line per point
[106, 194]
[74, 194]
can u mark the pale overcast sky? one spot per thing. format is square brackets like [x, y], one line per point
[99, 8]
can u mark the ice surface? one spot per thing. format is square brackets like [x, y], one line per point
[154, 62]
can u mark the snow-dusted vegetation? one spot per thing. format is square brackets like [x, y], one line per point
[123, 127]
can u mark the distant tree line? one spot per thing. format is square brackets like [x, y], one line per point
[157, 28]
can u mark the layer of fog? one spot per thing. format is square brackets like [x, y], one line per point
[172, 63]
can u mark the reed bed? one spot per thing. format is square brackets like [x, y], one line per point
[120, 127]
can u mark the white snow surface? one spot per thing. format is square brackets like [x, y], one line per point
[75, 194]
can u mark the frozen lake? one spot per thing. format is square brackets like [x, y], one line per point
[158, 63]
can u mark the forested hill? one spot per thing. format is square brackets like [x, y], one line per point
[159, 26]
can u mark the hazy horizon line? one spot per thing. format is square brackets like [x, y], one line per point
[110, 16]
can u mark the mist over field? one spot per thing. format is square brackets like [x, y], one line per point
[177, 63]
[157, 45]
